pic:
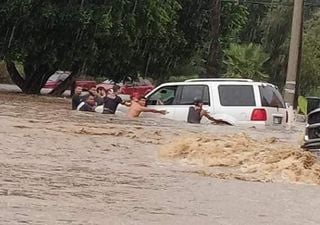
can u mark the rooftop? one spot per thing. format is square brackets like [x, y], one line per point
[219, 80]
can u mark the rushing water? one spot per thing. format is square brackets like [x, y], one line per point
[64, 167]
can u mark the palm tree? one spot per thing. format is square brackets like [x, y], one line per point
[246, 61]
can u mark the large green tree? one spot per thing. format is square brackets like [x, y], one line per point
[143, 39]
[48, 35]
[252, 31]
[113, 38]
[310, 74]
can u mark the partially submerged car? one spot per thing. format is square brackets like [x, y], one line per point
[238, 101]
[312, 130]
[128, 87]
[59, 76]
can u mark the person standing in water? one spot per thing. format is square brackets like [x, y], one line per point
[98, 99]
[88, 105]
[76, 98]
[112, 100]
[196, 112]
[138, 105]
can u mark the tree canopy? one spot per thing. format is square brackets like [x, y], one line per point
[153, 38]
[310, 76]
[112, 38]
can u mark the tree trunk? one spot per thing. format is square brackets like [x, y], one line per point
[214, 58]
[15, 75]
[69, 82]
[33, 82]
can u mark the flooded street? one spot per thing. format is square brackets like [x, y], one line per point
[64, 167]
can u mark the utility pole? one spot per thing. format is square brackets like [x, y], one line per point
[293, 70]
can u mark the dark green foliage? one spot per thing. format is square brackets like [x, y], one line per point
[111, 38]
[153, 38]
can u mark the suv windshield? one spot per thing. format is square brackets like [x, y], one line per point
[236, 95]
[270, 97]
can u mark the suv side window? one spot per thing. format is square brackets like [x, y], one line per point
[236, 95]
[270, 97]
[163, 96]
[191, 92]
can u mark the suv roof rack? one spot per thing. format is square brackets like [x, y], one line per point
[218, 79]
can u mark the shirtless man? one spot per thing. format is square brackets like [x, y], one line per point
[138, 106]
[196, 112]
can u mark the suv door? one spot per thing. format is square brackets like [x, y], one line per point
[272, 101]
[163, 99]
[186, 96]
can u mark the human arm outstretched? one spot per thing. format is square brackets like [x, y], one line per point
[216, 121]
[146, 109]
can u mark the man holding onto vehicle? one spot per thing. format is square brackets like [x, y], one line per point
[196, 112]
[76, 98]
[138, 105]
[97, 98]
[88, 105]
[112, 100]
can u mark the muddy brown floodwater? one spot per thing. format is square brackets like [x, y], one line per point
[58, 166]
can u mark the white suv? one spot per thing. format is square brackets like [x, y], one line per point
[240, 101]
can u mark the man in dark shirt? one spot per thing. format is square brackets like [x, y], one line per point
[196, 112]
[76, 99]
[88, 105]
[112, 100]
[93, 91]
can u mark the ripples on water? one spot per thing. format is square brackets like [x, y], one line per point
[65, 167]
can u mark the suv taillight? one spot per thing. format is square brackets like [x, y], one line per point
[259, 115]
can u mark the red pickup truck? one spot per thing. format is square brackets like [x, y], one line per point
[140, 86]
[58, 77]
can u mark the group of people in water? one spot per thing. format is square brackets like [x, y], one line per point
[107, 102]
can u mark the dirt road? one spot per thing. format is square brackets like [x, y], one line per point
[63, 167]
